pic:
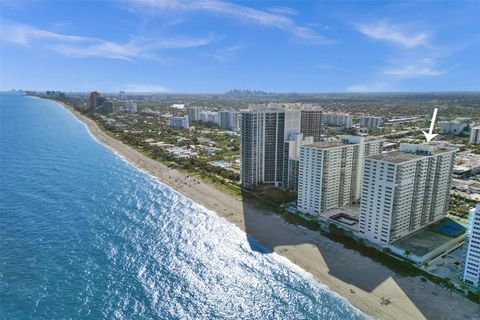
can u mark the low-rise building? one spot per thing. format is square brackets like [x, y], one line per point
[182, 153]
[467, 165]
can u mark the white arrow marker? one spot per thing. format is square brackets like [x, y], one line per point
[430, 135]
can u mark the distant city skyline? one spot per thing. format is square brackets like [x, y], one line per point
[214, 46]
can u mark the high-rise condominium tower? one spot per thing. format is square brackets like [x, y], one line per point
[330, 172]
[311, 123]
[194, 113]
[337, 119]
[475, 135]
[404, 191]
[370, 122]
[471, 269]
[263, 132]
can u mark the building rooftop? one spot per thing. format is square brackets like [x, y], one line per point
[373, 138]
[252, 109]
[326, 144]
[396, 157]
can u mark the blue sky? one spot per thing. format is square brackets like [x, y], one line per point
[215, 46]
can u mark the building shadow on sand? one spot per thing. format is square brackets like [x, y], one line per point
[267, 231]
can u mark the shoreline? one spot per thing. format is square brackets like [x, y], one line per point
[358, 279]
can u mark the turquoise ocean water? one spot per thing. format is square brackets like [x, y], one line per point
[85, 235]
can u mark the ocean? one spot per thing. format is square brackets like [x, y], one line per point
[85, 235]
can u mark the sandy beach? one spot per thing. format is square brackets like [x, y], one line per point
[357, 278]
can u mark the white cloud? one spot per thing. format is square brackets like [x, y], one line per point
[225, 54]
[371, 87]
[283, 11]
[412, 71]
[81, 46]
[144, 88]
[382, 30]
[260, 17]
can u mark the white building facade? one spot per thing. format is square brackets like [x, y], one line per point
[179, 122]
[475, 135]
[337, 119]
[471, 270]
[228, 119]
[371, 122]
[404, 191]
[454, 127]
[330, 173]
[194, 113]
[131, 106]
[209, 117]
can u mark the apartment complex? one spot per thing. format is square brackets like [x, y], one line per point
[179, 122]
[292, 158]
[337, 119]
[454, 127]
[209, 117]
[262, 144]
[311, 123]
[330, 172]
[471, 268]
[228, 119]
[370, 122]
[131, 106]
[194, 113]
[404, 191]
[93, 99]
[105, 108]
[475, 135]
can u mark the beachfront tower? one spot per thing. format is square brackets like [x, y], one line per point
[404, 191]
[471, 270]
[330, 172]
[93, 99]
[263, 133]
